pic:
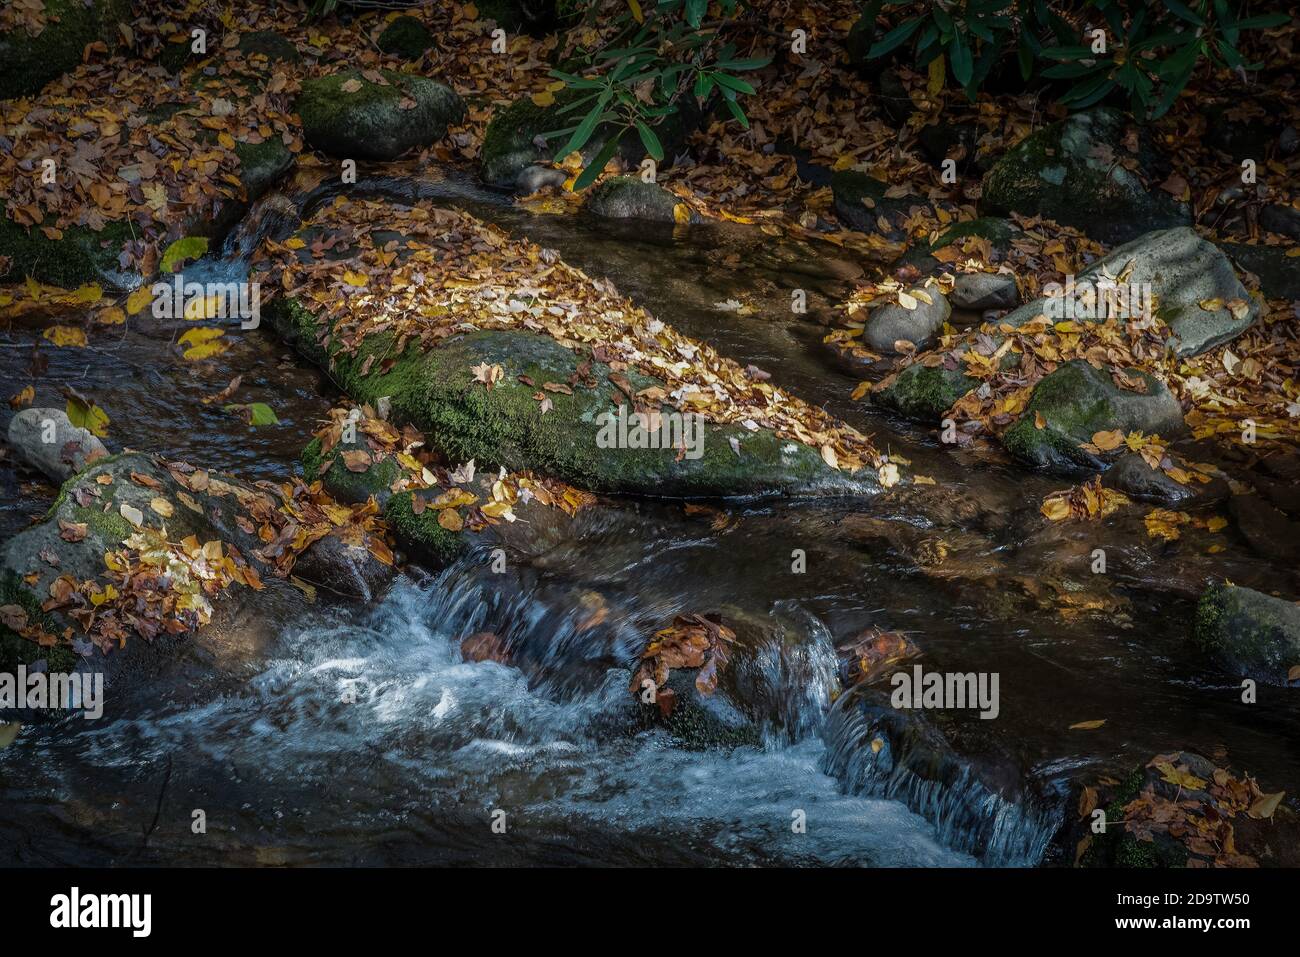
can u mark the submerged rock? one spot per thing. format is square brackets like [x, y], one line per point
[1077, 401]
[1071, 172]
[626, 197]
[1135, 478]
[52, 445]
[1249, 633]
[1266, 529]
[348, 116]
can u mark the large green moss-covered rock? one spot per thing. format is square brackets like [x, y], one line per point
[28, 62]
[505, 426]
[374, 121]
[405, 37]
[1079, 400]
[1071, 172]
[80, 256]
[1249, 633]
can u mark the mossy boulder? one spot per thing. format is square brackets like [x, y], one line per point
[28, 62]
[925, 393]
[505, 426]
[1071, 172]
[626, 197]
[1079, 400]
[80, 256]
[1249, 633]
[861, 203]
[405, 37]
[348, 116]
[524, 134]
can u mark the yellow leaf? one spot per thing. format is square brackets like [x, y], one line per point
[66, 336]
[938, 70]
[545, 98]
[450, 519]
[203, 342]
[354, 278]
[138, 300]
[681, 213]
[635, 7]
[1088, 725]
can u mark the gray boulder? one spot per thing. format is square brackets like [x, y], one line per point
[1135, 478]
[626, 197]
[892, 322]
[52, 445]
[984, 290]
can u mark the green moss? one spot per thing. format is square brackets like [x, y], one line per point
[16, 650]
[109, 525]
[81, 256]
[508, 140]
[312, 461]
[1130, 852]
[405, 37]
[925, 393]
[421, 534]
[261, 164]
[27, 63]
[369, 122]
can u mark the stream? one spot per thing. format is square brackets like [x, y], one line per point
[412, 770]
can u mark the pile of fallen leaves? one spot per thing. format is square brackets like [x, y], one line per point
[153, 584]
[691, 641]
[435, 486]
[1198, 813]
[1087, 501]
[452, 273]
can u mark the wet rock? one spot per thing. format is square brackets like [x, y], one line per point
[1279, 277]
[893, 323]
[348, 571]
[1282, 465]
[860, 203]
[984, 290]
[68, 450]
[534, 178]
[1077, 401]
[405, 37]
[1284, 495]
[1070, 172]
[1249, 633]
[373, 121]
[1284, 220]
[1269, 532]
[80, 256]
[1183, 271]
[626, 197]
[924, 393]
[1135, 478]
[27, 62]
[515, 138]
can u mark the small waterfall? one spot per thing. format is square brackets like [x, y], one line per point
[889, 754]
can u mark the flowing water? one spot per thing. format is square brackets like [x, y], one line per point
[347, 734]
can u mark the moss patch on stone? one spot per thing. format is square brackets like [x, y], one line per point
[405, 37]
[370, 122]
[81, 256]
[924, 393]
[27, 63]
[16, 650]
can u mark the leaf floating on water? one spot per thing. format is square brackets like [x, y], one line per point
[181, 251]
[84, 414]
[203, 343]
[1088, 725]
[254, 413]
[1264, 807]
[9, 733]
[65, 336]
